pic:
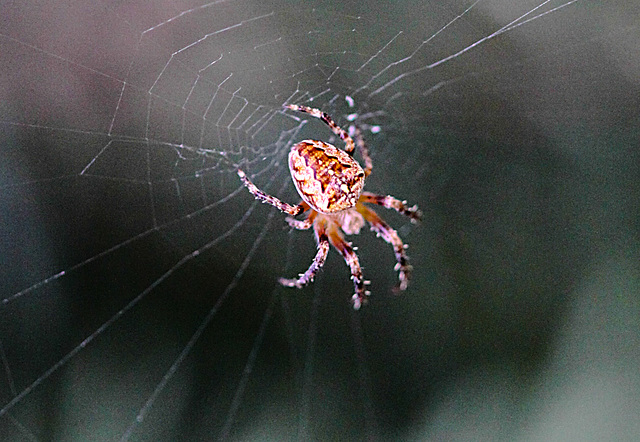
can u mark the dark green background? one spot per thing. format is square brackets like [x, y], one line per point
[521, 321]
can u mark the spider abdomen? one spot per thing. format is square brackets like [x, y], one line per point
[327, 178]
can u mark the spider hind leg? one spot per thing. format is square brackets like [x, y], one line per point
[323, 248]
[387, 233]
[350, 257]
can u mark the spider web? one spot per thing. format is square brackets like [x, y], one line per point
[139, 293]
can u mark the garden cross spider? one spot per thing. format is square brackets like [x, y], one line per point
[330, 183]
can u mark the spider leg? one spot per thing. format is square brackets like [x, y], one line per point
[323, 248]
[392, 203]
[268, 199]
[302, 224]
[350, 257]
[364, 150]
[391, 236]
[327, 119]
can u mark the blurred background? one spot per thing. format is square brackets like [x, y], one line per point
[139, 285]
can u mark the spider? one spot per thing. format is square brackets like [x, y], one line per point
[330, 182]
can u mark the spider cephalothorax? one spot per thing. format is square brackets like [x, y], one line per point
[330, 182]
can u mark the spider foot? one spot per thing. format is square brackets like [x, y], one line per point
[358, 300]
[414, 214]
[360, 297]
[297, 283]
[404, 275]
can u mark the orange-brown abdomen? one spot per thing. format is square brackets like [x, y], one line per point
[327, 178]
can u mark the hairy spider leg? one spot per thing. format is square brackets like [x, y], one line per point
[390, 202]
[327, 119]
[302, 224]
[350, 257]
[390, 236]
[268, 199]
[322, 241]
[359, 140]
[364, 150]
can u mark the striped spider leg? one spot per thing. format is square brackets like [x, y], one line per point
[389, 202]
[268, 199]
[348, 253]
[322, 240]
[344, 136]
[327, 231]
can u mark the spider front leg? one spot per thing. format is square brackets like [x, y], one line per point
[323, 248]
[391, 236]
[350, 257]
[343, 134]
[268, 199]
[392, 203]
[364, 151]
[327, 119]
